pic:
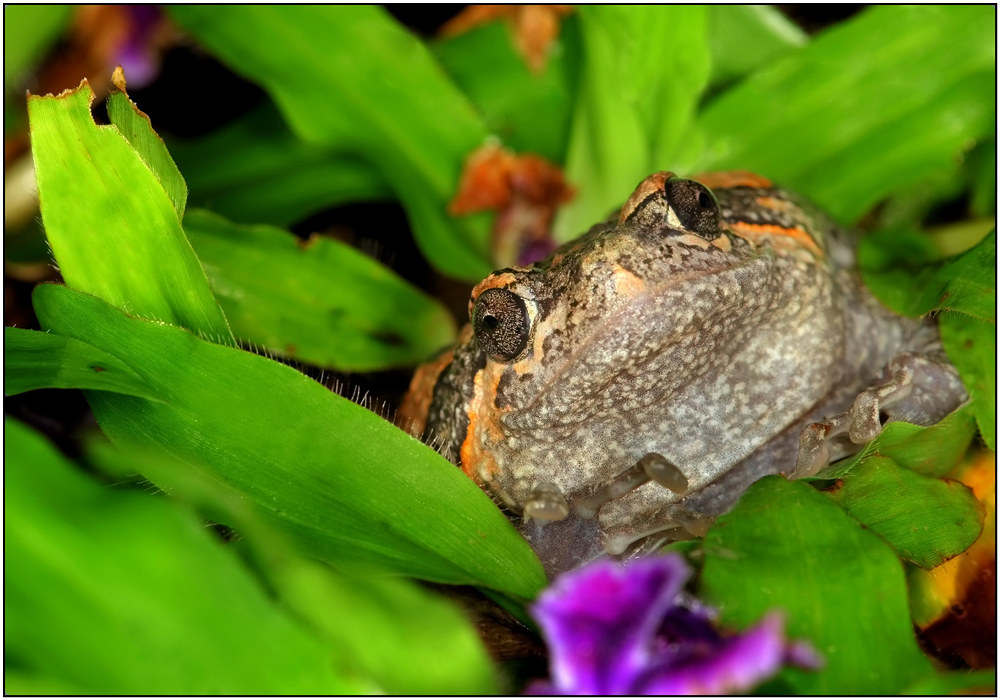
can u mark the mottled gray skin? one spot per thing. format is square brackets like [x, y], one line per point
[647, 338]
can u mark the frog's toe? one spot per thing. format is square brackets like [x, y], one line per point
[546, 502]
[652, 467]
[815, 442]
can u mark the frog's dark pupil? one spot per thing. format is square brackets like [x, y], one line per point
[501, 324]
[694, 205]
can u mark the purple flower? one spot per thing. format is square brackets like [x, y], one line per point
[629, 630]
[139, 54]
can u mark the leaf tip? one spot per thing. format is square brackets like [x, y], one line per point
[118, 79]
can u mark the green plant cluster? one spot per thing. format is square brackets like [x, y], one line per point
[116, 590]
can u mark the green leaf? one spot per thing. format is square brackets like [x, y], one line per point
[972, 347]
[926, 520]
[256, 171]
[28, 30]
[351, 78]
[744, 38]
[965, 682]
[18, 683]
[932, 451]
[981, 166]
[112, 227]
[787, 546]
[900, 271]
[322, 302]
[120, 593]
[34, 360]
[405, 638]
[644, 69]
[870, 106]
[135, 126]
[347, 486]
[529, 112]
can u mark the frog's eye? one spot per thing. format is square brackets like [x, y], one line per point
[694, 205]
[501, 323]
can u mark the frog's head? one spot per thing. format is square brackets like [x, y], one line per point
[579, 353]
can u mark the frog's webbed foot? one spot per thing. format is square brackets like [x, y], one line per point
[652, 467]
[650, 528]
[556, 526]
[920, 389]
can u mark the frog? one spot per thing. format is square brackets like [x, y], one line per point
[625, 391]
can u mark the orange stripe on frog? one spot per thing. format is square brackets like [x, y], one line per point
[648, 187]
[779, 237]
[733, 178]
[477, 459]
[497, 279]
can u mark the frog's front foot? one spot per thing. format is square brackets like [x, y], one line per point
[556, 526]
[916, 388]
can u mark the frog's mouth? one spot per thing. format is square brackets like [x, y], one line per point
[650, 349]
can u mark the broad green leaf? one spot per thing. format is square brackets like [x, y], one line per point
[965, 682]
[322, 302]
[135, 126]
[405, 638]
[28, 30]
[902, 273]
[786, 546]
[926, 520]
[529, 112]
[745, 37]
[256, 171]
[932, 450]
[981, 166]
[34, 360]
[18, 683]
[972, 347]
[870, 106]
[348, 487]
[112, 227]
[644, 69]
[351, 78]
[909, 206]
[120, 593]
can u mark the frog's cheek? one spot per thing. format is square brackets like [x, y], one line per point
[485, 432]
[627, 284]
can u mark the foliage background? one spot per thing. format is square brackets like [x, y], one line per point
[887, 119]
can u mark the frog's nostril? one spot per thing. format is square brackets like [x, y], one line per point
[546, 502]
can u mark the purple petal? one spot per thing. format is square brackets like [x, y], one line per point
[732, 665]
[802, 654]
[601, 621]
[139, 59]
[533, 251]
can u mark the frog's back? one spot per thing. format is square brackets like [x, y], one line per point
[756, 209]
